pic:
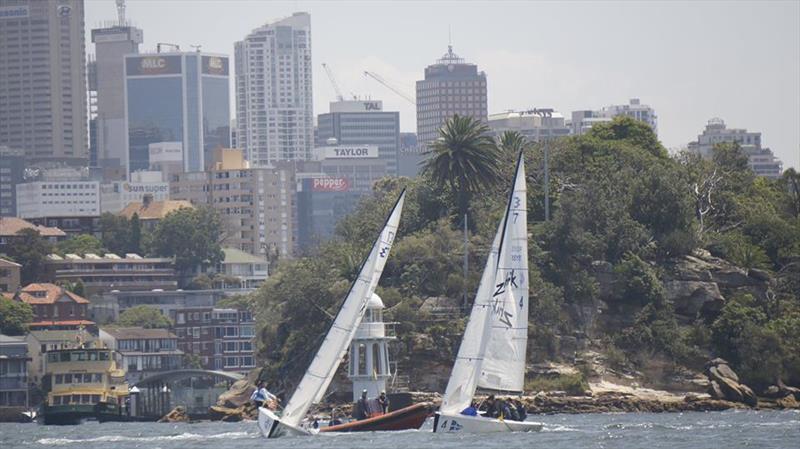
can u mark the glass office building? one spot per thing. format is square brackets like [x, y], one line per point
[176, 97]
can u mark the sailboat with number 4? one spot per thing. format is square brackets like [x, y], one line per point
[492, 351]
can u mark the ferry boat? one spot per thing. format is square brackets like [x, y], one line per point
[86, 384]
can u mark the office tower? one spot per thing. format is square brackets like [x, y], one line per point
[534, 126]
[451, 86]
[43, 79]
[357, 122]
[111, 44]
[274, 110]
[176, 97]
[761, 160]
[12, 170]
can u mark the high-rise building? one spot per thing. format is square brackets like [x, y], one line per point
[357, 122]
[274, 109]
[43, 79]
[255, 204]
[176, 97]
[582, 121]
[12, 171]
[111, 44]
[761, 160]
[411, 156]
[533, 126]
[451, 86]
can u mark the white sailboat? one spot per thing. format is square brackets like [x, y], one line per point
[492, 351]
[323, 367]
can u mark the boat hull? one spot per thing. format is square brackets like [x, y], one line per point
[271, 426]
[443, 423]
[66, 415]
[411, 417]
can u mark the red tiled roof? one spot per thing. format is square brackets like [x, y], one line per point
[52, 294]
[155, 210]
[9, 226]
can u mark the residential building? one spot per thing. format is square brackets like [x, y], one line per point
[255, 204]
[451, 86]
[13, 372]
[150, 212]
[55, 308]
[12, 172]
[111, 44]
[761, 159]
[143, 352]
[107, 306]
[72, 206]
[362, 122]
[116, 195]
[251, 270]
[176, 97]
[9, 275]
[222, 339]
[534, 126]
[108, 272]
[582, 121]
[10, 227]
[41, 341]
[43, 79]
[274, 106]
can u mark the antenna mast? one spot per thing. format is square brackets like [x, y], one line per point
[121, 12]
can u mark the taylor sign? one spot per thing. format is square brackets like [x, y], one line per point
[351, 152]
[330, 185]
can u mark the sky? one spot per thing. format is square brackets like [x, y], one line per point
[690, 60]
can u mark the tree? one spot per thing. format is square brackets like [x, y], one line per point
[144, 316]
[135, 243]
[463, 158]
[14, 316]
[115, 233]
[76, 287]
[80, 245]
[191, 236]
[29, 249]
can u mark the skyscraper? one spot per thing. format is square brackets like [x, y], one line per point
[357, 122]
[111, 44]
[43, 79]
[451, 86]
[274, 110]
[176, 97]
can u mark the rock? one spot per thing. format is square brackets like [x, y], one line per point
[692, 297]
[726, 371]
[732, 277]
[715, 391]
[760, 275]
[730, 389]
[178, 414]
[748, 397]
[788, 402]
[715, 362]
[772, 392]
[239, 393]
[785, 389]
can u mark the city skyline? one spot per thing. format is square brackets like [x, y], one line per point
[692, 54]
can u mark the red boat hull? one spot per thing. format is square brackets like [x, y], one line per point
[410, 417]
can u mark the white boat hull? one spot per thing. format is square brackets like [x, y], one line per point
[477, 424]
[271, 426]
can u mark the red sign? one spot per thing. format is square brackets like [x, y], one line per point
[330, 185]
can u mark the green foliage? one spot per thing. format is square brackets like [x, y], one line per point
[191, 236]
[201, 282]
[135, 242]
[572, 384]
[640, 284]
[144, 316]
[115, 233]
[76, 287]
[80, 245]
[14, 316]
[238, 302]
[29, 249]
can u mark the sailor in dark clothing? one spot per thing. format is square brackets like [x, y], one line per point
[492, 409]
[507, 410]
[384, 402]
[360, 411]
[521, 412]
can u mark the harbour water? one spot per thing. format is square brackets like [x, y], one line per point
[733, 429]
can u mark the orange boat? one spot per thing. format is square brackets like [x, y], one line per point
[406, 418]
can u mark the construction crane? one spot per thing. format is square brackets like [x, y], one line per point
[386, 84]
[333, 82]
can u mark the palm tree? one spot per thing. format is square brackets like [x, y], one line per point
[464, 158]
[512, 142]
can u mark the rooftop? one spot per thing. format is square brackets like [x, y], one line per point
[234, 255]
[137, 332]
[155, 210]
[8, 263]
[9, 226]
[58, 335]
[46, 293]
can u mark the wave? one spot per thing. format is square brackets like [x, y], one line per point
[120, 438]
[558, 428]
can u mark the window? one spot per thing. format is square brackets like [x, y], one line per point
[231, 346]
[231, 362]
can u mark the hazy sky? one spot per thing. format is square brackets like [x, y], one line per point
[691, 61]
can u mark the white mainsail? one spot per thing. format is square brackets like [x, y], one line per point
[323, 367]
[486, 328]
[503, 366]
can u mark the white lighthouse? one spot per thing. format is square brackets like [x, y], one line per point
[369, 353]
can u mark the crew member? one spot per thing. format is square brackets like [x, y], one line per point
[360, 411]
[384, 402]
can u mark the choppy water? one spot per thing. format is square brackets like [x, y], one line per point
[735, 429]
